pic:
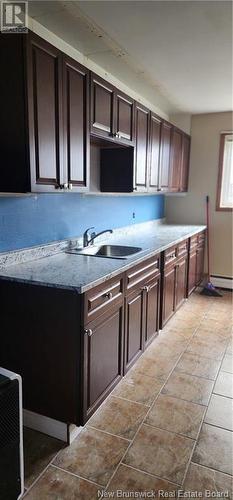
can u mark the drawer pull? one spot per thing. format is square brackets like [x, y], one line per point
[108, 295]
[172, 256]
[88, 332]
[146, 288]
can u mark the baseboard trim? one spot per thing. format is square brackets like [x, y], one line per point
[222, 282]
[50, 426]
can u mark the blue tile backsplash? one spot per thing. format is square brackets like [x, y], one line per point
[43, 218]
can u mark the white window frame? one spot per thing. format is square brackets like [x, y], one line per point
[224, 200]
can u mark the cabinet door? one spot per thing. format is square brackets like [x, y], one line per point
[141, 149]
[134, 328]
[164, 174]
[102, 101]
[152, 310]
[192, 271]
[124, 118]
[200, 264]
[184, 170]
[181, 281]
[76, 124]
[176, 156]
[155, 133]
[45, 114]
[103, 351]
[169, 290]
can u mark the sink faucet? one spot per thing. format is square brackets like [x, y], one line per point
[89, 239]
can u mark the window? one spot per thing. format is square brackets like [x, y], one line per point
[225, 175]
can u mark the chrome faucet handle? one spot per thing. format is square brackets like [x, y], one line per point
[92, 236]
[85, 236]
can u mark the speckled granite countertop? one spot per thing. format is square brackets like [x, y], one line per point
[80, 273]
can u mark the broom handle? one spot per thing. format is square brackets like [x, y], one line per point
[208, 236]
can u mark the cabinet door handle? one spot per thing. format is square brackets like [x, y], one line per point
[62, 186]
[135, 188]
[145, 288]
[108, 295]
[88, 332]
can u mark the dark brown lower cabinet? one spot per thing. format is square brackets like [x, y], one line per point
[174, 281]
[103, 358]
[73, 349]
[152, 310]
[134, 327]
[181, 281]
[169, 293]
[141, 320]
[196, 261]
[192, 271]
[41, 340]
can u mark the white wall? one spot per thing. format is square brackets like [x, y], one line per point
[190, 208]
[181, 120]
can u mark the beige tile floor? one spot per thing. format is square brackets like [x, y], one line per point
[167, 426]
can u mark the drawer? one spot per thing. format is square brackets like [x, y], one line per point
[182, 248]
[104, 296]
[170, 255]
[193, 241]
[138, 274]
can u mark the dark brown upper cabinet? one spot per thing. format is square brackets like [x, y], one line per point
[76, 124]
[184, 169]
[49, 93]
[45, 114]
[175, 160]
[102, 100]
[124, 116]
[179, 166]
[112, 112]
[165, 145]
[155, 136]
[142, 127]
[46, 122]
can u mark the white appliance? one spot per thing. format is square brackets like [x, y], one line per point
[11, 436]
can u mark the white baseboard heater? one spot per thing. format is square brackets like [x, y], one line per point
[222, 281]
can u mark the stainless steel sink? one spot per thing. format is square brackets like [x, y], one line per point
[109, 251]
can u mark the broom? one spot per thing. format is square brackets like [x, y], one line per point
[209, 288]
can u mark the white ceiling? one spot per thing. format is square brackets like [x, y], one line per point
[177, 53]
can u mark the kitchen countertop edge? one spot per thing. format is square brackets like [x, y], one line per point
[130, 262]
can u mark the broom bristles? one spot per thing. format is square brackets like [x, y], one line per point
[210, 291]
